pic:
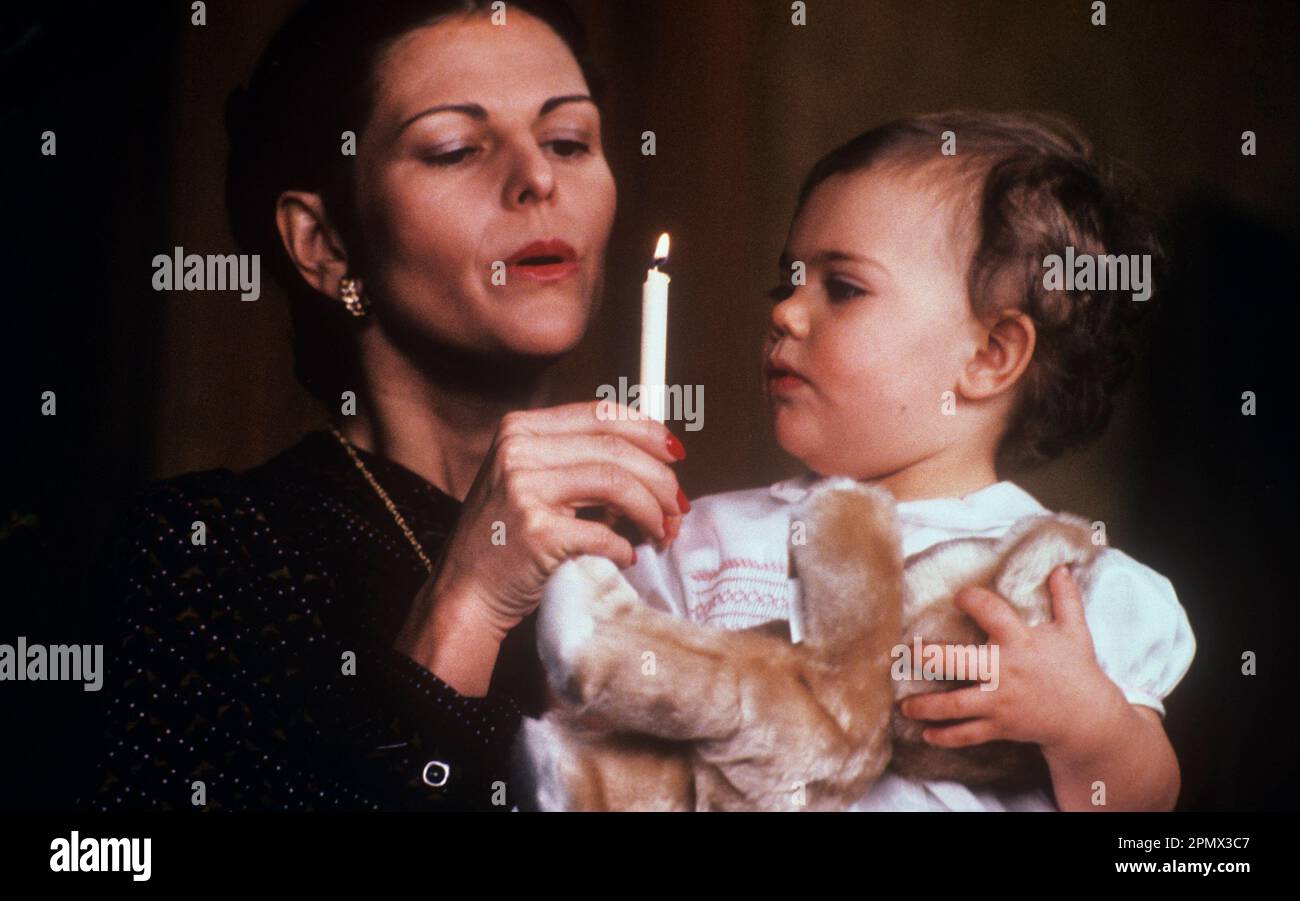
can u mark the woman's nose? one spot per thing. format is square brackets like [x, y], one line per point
[532, 177]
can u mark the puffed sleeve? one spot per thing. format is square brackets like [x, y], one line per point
[1140, 631]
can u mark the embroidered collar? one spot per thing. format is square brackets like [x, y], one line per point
[792, 490]
[998, 504]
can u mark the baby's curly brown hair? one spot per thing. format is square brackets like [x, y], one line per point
[1035, 186]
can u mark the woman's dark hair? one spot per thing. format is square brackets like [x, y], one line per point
[1034, 187]
[316, 80]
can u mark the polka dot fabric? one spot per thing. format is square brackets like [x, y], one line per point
[230, 669]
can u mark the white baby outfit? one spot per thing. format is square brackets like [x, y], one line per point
[728, 568]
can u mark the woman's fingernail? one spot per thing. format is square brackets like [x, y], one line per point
[682, 503]
[672, 525]
[634, 556]
[675, 447]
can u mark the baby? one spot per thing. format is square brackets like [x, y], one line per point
[916, 344]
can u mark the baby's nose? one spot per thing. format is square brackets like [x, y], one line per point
[785, 321]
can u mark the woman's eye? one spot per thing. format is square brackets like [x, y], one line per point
[451, 157]
[841, 290]
[780, 293]
[569, 148]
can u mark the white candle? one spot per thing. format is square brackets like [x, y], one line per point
[654, 334]
[796, 599]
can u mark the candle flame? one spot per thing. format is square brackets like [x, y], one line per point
[661, 249]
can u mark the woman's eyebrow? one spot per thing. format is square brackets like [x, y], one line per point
[476, 111]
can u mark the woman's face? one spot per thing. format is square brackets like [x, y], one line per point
[482, 141]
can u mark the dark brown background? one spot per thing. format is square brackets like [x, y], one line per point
[742, 102]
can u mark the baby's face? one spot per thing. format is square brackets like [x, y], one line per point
[881, 329]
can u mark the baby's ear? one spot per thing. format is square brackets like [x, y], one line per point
[1004, 347]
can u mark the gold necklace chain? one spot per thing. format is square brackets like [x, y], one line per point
[388, 501]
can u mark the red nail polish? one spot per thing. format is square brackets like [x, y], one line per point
[675, 447]
[682, 503]
[634, 556]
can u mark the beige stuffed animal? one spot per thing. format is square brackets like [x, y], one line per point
[659, 713]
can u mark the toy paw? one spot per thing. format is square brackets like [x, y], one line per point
[579, 593]
[539, 765]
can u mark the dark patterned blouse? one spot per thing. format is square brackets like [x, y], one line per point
[235, 666]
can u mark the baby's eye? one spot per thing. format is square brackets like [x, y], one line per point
[568, 149]
[451, 157]
[780, 292]
[842, 290]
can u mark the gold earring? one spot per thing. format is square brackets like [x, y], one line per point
[352, 299]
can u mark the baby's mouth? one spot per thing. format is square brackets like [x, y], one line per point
[786, 386]
[782, 380]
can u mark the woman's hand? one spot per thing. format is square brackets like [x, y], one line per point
[519, 523]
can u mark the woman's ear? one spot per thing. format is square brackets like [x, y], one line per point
[1005, 349]
[310, 241]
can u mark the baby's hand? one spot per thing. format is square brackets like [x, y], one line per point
[1050, 688]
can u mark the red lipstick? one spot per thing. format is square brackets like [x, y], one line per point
[544, 261]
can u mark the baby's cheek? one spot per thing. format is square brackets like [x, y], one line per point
[909, 395]
[880, 432]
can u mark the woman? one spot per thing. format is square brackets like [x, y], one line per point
[347, 625]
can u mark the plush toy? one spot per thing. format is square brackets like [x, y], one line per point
[659, 713]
